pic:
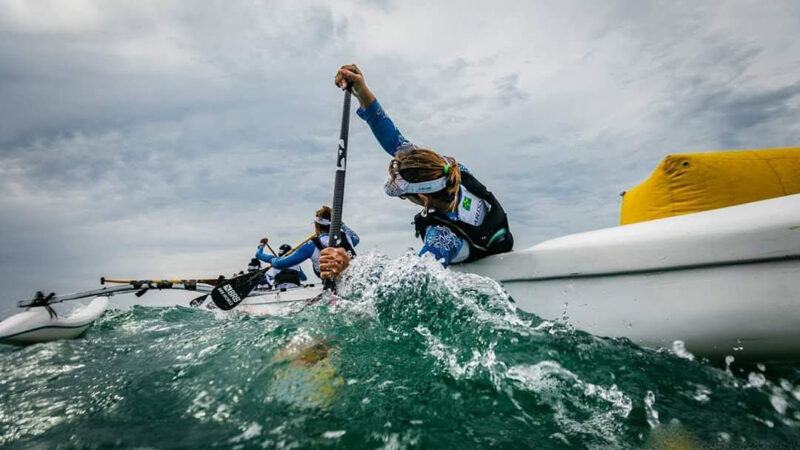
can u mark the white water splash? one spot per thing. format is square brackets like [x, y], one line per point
[578, 406]
[334, 434]
[679, 350]
[373, 275]
[650, 412]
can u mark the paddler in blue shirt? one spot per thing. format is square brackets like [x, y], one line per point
[287, 277]
[462, 220]
[327, 263]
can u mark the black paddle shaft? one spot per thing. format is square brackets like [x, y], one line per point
[335, 234]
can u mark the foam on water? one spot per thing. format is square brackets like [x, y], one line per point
[412, 356]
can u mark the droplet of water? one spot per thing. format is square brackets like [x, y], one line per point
[728, 361]
[755, 379]
[778, 402]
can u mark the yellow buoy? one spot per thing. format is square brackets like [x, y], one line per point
[694, 182]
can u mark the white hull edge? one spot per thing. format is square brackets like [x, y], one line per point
[725, 282]
[750, 311]
[277, 302]
[36, 325]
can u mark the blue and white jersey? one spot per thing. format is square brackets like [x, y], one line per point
[308, 250]
[444, 244]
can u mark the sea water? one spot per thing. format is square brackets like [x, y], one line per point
[412, 356]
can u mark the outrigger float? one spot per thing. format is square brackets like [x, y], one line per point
[40, 323]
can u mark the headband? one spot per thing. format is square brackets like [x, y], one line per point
[401, 186]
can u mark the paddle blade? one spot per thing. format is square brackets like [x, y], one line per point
[230, 293]
[196, 302]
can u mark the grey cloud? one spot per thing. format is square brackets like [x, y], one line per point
[530, 141]
[753, 109]
[257, 171]
[162, 139]
[508, 89]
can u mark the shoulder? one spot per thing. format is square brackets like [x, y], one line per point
[439, 235]
[305, 249]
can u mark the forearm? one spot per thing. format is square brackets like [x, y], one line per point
[384, 130]
[365, 97]
[294, 258]
[266, 257]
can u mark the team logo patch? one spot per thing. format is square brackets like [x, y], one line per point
[466, 203]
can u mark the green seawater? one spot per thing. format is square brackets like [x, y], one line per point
[413, 356]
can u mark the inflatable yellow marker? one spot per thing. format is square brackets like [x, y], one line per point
[694, 182]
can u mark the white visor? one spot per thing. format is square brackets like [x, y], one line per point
[400, 186]
[322, 221]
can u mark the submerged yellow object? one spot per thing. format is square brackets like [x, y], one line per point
[694, 182]
[310, 376]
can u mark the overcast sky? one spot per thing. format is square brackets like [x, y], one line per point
[154, 139]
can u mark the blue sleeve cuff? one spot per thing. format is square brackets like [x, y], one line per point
[370, 111]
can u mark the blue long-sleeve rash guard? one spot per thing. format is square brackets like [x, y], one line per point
[439, 241]
[383, 128]
[270, 258]
[283, 262]
[303, 253]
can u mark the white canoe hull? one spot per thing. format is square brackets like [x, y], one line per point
[278, 302]
[725, 282]
[36, 325]
[749, 311]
